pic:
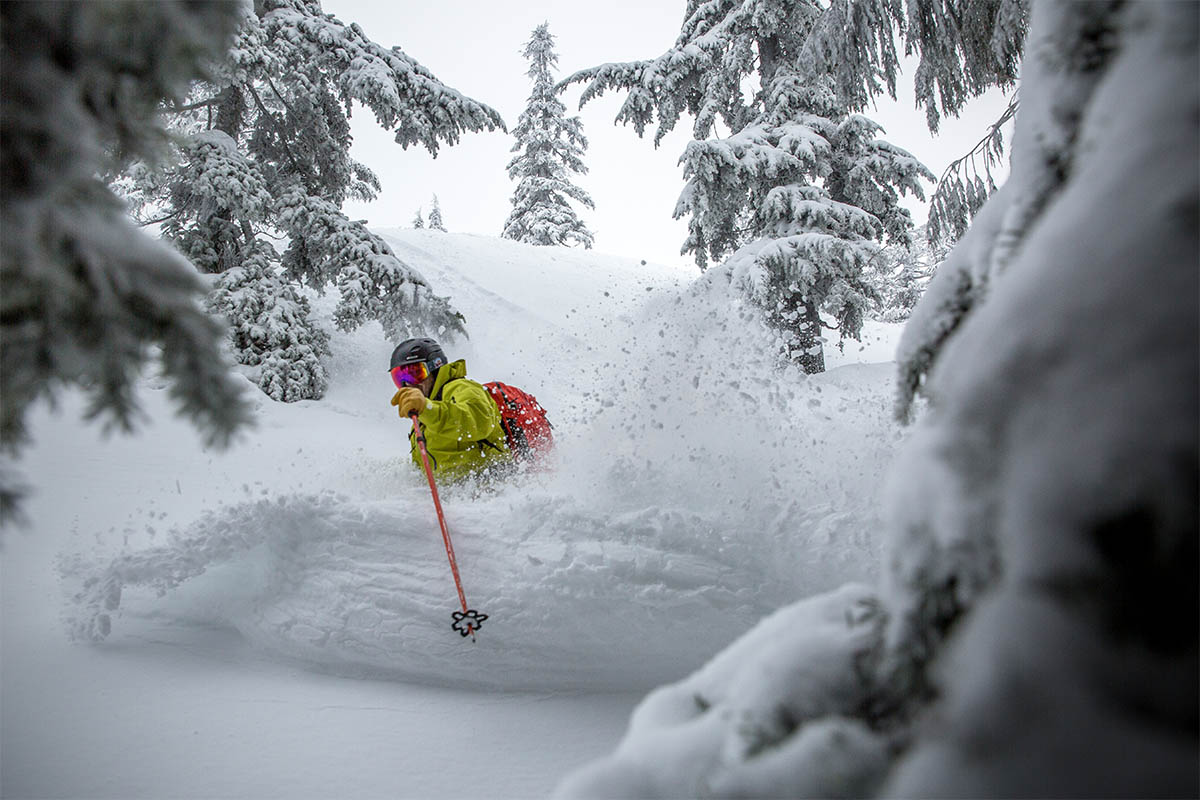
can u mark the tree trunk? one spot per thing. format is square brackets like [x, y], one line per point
[768, 60]
[800, 323]
[231, 111]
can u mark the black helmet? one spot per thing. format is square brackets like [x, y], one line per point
[414, 351]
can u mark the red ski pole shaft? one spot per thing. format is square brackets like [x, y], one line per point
[437, 504]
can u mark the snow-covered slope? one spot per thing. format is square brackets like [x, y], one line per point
[693, 491]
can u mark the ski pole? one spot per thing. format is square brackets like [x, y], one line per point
[472, 620]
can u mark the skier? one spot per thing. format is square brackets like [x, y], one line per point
[461, 423]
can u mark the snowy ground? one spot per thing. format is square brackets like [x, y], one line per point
[279, 613]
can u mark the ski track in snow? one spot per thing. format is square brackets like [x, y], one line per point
[664, 527]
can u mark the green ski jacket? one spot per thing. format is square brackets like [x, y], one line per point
[461, 425]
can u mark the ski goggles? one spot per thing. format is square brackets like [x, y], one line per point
[409, 374]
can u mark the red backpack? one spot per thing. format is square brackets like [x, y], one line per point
[524, 421]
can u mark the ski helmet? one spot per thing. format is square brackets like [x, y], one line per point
[414, 351]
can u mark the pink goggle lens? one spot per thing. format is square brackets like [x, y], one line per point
[409, 374]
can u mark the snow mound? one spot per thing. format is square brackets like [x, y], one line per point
[694, 738]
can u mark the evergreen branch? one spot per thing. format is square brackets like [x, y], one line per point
[162, 219]
[956, 199]
[283, 139]
[209, 103]
[982, 144]
[279, 96]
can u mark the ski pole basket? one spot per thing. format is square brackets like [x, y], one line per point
[467, 622]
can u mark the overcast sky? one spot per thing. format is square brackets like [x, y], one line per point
[475, 47]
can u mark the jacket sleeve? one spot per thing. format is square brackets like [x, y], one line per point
[463, 417]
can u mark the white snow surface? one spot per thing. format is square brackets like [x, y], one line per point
[275, 620]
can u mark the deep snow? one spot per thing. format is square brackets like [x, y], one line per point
[280, 612]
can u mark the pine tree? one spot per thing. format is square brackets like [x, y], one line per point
[418, 221]
[798, 196]
[435, 217]
[551, 146]
[87, 299]
[266, 150]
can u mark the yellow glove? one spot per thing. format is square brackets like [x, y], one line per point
[408, 401]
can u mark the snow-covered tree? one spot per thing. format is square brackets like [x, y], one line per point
[1036, 633]
[435, 217]
[265, 149]
[1064, 322]
[900, 273]
[796, 198]
[272, 331]
[86, 299]
[551, 147]
[418, 221]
